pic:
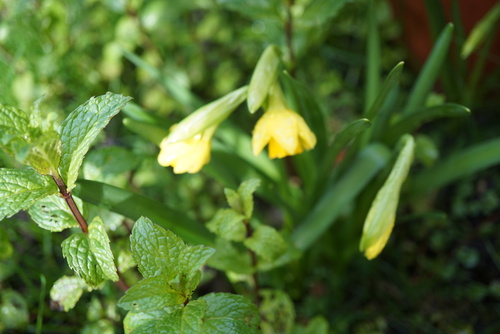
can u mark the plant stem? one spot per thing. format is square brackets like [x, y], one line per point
[68, 197]
[253, 257]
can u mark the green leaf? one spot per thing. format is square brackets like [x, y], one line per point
[319, 11]
[430, 71]
[318, 325]
[468, 161]
[230, 258]
[263, 77]
[246, 191]
[161, 252]
[151, 132]
[90, 255]
[480, 32]
[373, 62]
[66, 291]
[380, 219]
[278, 312]
[21, 188]
[266, 242]
[5, 245]
[81, 127]
[227, 313]
[411, 122]
[150, 294]
[106, 163]
[228, 224]
[52, 213]
[132, 205]
[13, 309]
[262, 9]
[14, 126]
[45, 154]
[332, 203]
[390, 82]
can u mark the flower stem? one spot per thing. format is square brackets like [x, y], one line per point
[68, 197]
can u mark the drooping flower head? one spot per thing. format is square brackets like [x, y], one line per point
[282, 129]
[187, 147]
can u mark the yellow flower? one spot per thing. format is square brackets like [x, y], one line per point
[187, 156]
[283, 129]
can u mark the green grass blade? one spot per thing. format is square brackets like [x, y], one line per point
[390, 82]
[134, 206]
[479, 33]
[456, 166]
[335, 199]
[430, 71]
[372, 58]
[411, 122]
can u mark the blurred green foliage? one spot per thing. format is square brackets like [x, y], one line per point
[440, 270]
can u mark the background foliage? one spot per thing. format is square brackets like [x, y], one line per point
[440, 270]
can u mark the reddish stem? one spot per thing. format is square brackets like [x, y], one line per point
[63, 190]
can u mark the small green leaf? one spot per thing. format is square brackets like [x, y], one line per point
[390, 82]
[227, 313]
[150, 294]
[99, 246]
[264, 75]
[246, 191]
[277, 311]
[53, 214]
[228, 224]
[5, 245]
[14, 126]
[66, 291]
[481, 31]
[81, 127]
[90, 255]
[380, 219]
[318, 12]
[230, 258]
[266, 242]
[161, 252]
[318, 325]
[45, 154]
[21, 188]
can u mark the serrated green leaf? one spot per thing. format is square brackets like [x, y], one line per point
[14, 126]
[53, 214]
[155, 250]
[5, 245]
[380, 219]
[151, 294]
[246, 191]
[227, 313]
[45, 154]
[81, 127]
[161, 252]
[228, 224]
[266, 242]
[66, 291]
[277, 311]
[229, 258]
[263, 77]
[99, 246]
[90, 255]
[21, 188]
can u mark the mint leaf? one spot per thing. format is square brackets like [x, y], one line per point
[266, 242]
[45, 154]
[150, 294]
[66, 291]
[228, 224]
[155, 250]
[81, 127]
[278, 312]
[14, 127]
[230, 258]
[90, 256]
[227, 313]
[246, 190]
[242, 200]
[158, 251]
[99, 246]
[53, 214]
[21, 188]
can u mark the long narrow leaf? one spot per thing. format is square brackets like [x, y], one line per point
[335, 200]
[372, 58]
[134, 206]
